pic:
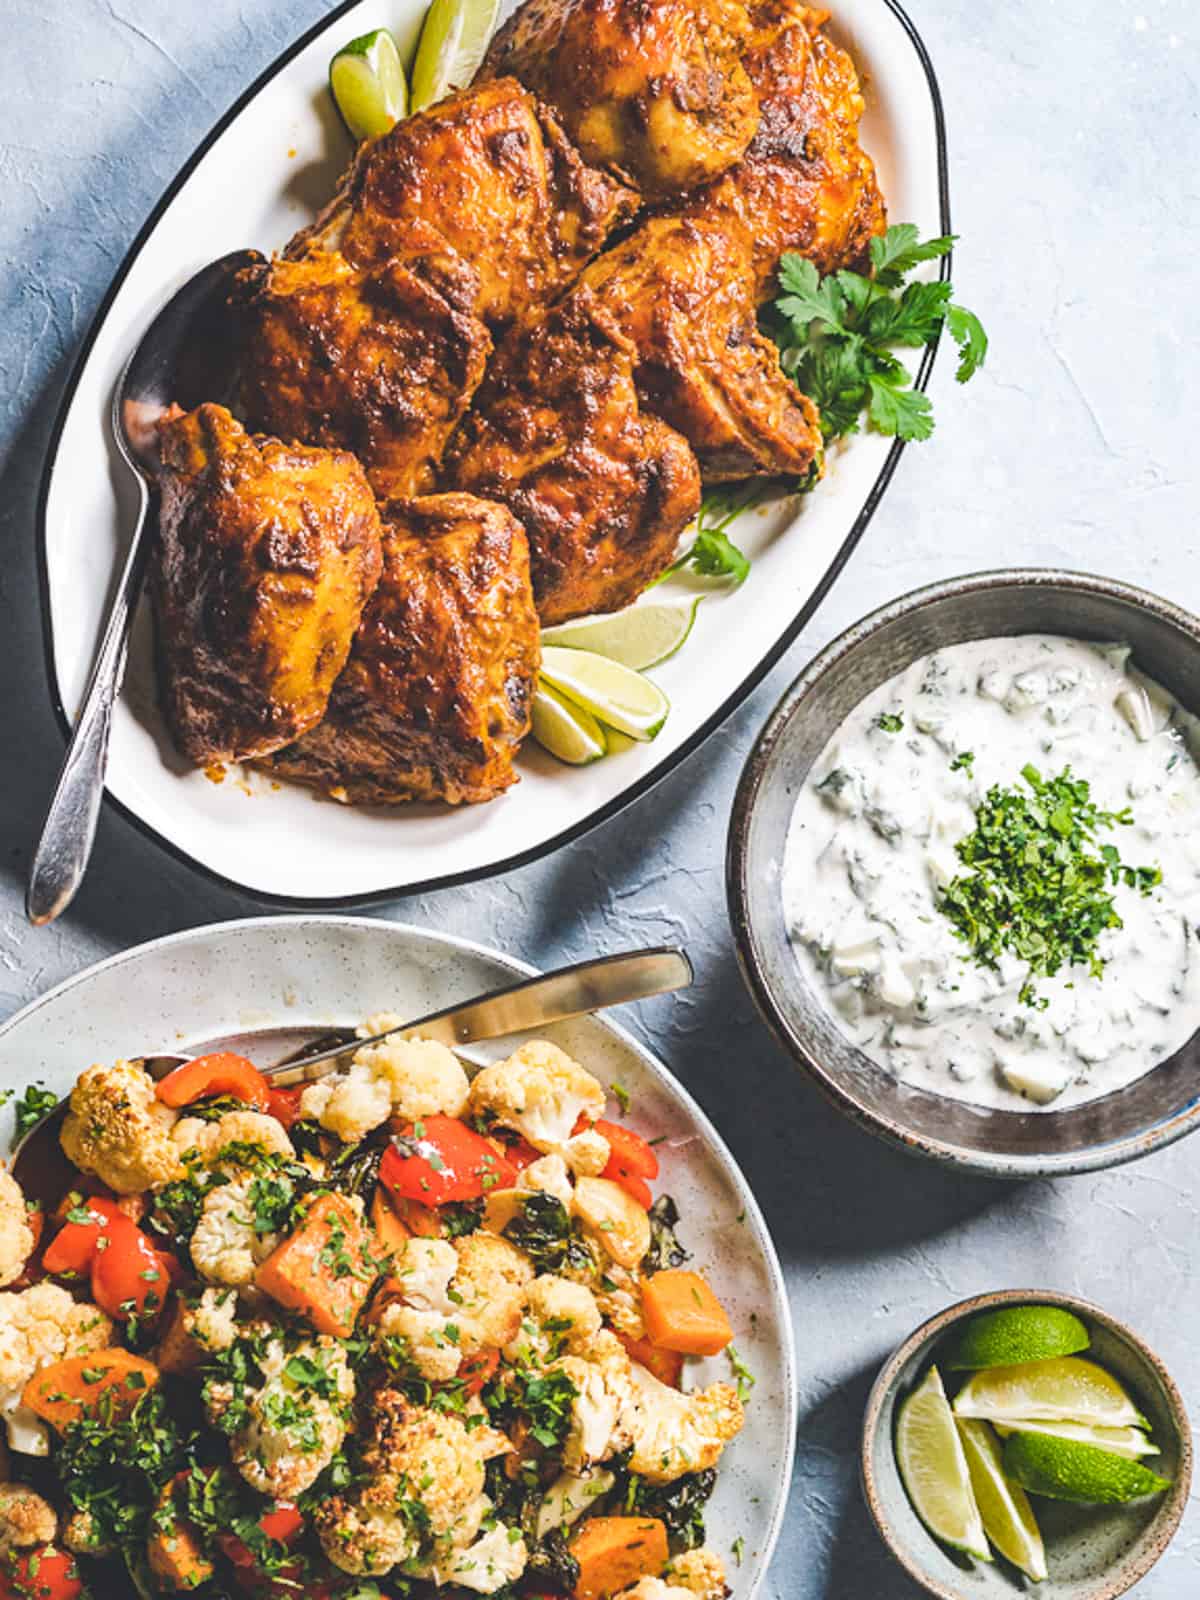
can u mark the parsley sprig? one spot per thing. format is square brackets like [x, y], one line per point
[836, 334]
[1039, 884]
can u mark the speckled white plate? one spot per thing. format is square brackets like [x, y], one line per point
[268, 164]
[184, 990]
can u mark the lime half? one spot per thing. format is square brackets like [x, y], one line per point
[1017, 1333]
[1063, 1390]
[638, 637]
[453, 42]
[933, 1466]
[620, 697]
[568, 732]
[1062, 1469]
[1004, 1508]
[366, 78]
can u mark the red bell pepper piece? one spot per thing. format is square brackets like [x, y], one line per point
[129, 1276]
[451, 1162]
[284, 1104]
[223, 1072]
[475, 1371]
[631, 1159]
[73, 1247]
[42, 1574]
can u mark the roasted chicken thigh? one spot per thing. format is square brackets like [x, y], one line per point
[493, 174]
[656, 92]
[559, 435]
[435, 698]
[267, 555]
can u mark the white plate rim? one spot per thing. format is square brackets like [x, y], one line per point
[715, 1144]
[637, 787]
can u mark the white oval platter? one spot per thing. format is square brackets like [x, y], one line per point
[278, 841]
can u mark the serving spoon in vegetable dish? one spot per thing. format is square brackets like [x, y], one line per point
[310, 1053]
[182, 357]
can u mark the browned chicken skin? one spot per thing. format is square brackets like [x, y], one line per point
[655, 90]
[682, 290]
[805, 184]
[558, 435]
[267, 554]
[436, 695]
[493, 173]
[381, 360]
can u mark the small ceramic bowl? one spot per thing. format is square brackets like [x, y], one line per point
[1093, 1552]
[1157, 1108]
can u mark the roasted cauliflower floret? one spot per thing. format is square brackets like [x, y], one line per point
[25, 1518]
[456, 1299]
[406, 1078]
[674, 1433]
[603, 1398]
[228, 1243]
[235, 1128]
[298, 1411]
[695, 1573]
[550, 1174]
[541, 1092]
[560, 1318]
[119, 1130]
[497, 1557]
[619, 1296]
[16, 1236]
[38, 1326]
[423, 1496]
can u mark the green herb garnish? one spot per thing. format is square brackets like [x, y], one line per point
[1039, 884]
[889, 721]
[34, 1106]
[964, 761]
[835, 335]
[743, 1377]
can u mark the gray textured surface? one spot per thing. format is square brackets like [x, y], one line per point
[1074, 144]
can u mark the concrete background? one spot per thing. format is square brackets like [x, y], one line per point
[1075, 160]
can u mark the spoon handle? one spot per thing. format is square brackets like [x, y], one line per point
[532, 1003]
[69, 830]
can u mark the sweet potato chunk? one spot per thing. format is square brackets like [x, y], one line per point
[324, 1268]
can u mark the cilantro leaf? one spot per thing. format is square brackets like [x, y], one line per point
[899, 250]
[807, 299]
[714, 555]
[907, 413]
[965, 328]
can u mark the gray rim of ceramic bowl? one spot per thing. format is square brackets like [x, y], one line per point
[1006, 1165]
[318, 921]
[1174, 1504]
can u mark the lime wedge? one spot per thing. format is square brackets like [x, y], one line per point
[638, 637]
[1128, 1442]
[1015, 1334]
[1062, 1469]
[568, 732]
[1004, 1507]
[366, 79]
[933, 1466]
[453, 41]
[618, 696]
[1063, 1390]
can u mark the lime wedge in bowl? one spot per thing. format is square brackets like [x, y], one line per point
[1004, 1508]
[641, 636]
[1129, 1442]
[453, 42]
[366, 79]
[933, 1465]
[1063, 1390]
[1062, 1469]
[618, 696]
[1017, 1334]
[568, 732]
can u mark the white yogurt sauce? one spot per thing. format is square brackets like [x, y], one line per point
[872, 842]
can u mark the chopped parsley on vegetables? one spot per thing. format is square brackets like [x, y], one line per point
[1039, 883]
[34, 1106]
[835, 335]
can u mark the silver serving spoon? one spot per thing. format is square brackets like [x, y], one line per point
[184, 357]
[45, 1175]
